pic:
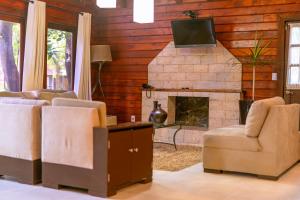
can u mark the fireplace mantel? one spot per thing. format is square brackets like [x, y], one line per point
[195, 90]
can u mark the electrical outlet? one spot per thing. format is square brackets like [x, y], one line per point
[274, 76]
[132, 118]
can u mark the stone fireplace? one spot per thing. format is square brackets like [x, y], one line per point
[197, 86]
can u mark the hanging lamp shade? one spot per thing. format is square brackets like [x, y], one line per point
[143, 11]
[107, 3]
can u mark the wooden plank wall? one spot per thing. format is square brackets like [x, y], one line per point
[135, 45]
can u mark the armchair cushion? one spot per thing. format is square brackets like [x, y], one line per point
[258, 113]
[50, 95]
[232, 138]
[101, 107]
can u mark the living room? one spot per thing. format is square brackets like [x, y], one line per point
[149, 99]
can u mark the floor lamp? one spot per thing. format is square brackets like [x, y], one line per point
[100, 54]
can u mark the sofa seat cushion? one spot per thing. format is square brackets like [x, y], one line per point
[232, 137]
[258, 114]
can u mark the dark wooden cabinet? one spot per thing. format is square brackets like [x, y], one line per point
[129, 155]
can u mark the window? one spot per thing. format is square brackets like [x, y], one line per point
[9, 56]
[107, 3]
[143, 11]
[59, 59]
[293, 72]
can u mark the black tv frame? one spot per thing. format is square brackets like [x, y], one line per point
[196, 45]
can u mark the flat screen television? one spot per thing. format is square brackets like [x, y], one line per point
[194, 33]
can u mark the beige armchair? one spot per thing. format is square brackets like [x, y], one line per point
[20, 144]
[70, 151]
[267, 145]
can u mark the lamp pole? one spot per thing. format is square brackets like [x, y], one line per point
[99, 80]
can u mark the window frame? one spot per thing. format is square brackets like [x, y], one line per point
[68, 28]
[21, 21]
[288, 65]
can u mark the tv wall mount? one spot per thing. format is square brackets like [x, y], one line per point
[191, 14]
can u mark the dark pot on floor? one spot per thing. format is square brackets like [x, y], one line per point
[244, 109]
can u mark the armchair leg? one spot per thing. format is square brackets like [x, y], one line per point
[51, 185]
[272, 178]
[148, 180]
[214, 171]
[25, 180]
[99, 193]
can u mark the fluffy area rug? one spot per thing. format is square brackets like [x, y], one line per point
[166, 158]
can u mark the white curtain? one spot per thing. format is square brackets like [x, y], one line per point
[82, 83]
[33, 73]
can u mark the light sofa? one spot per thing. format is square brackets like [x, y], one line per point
[70, 148]
[267, 145]
[20, 143]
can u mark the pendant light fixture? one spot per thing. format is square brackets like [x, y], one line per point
[107, 3]
[143, 11]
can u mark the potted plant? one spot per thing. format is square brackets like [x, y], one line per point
[255, 59]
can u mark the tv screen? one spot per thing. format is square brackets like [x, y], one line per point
[194, 33]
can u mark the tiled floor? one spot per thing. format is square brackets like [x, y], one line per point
[188, 184]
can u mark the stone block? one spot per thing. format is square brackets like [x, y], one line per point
[231, 106]
[215, 123]
[170, 68]
[233, 85]
[178, 60]
[185, 84]
[152, 76]
[186, 68]
[230, 122]
[231, 115]
[200, 68]
[217, 114]
[170, 84]
[232, 97]
[169, 52]
[193, 76]
[209, 77]
[164, 60]
[163, 76]
[216, 68]
[217, 96]
[192, 60]
[208, 59]
[176, 77]
[156, 83]
[155, 68]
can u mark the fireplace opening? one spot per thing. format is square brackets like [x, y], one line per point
[192, 111]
